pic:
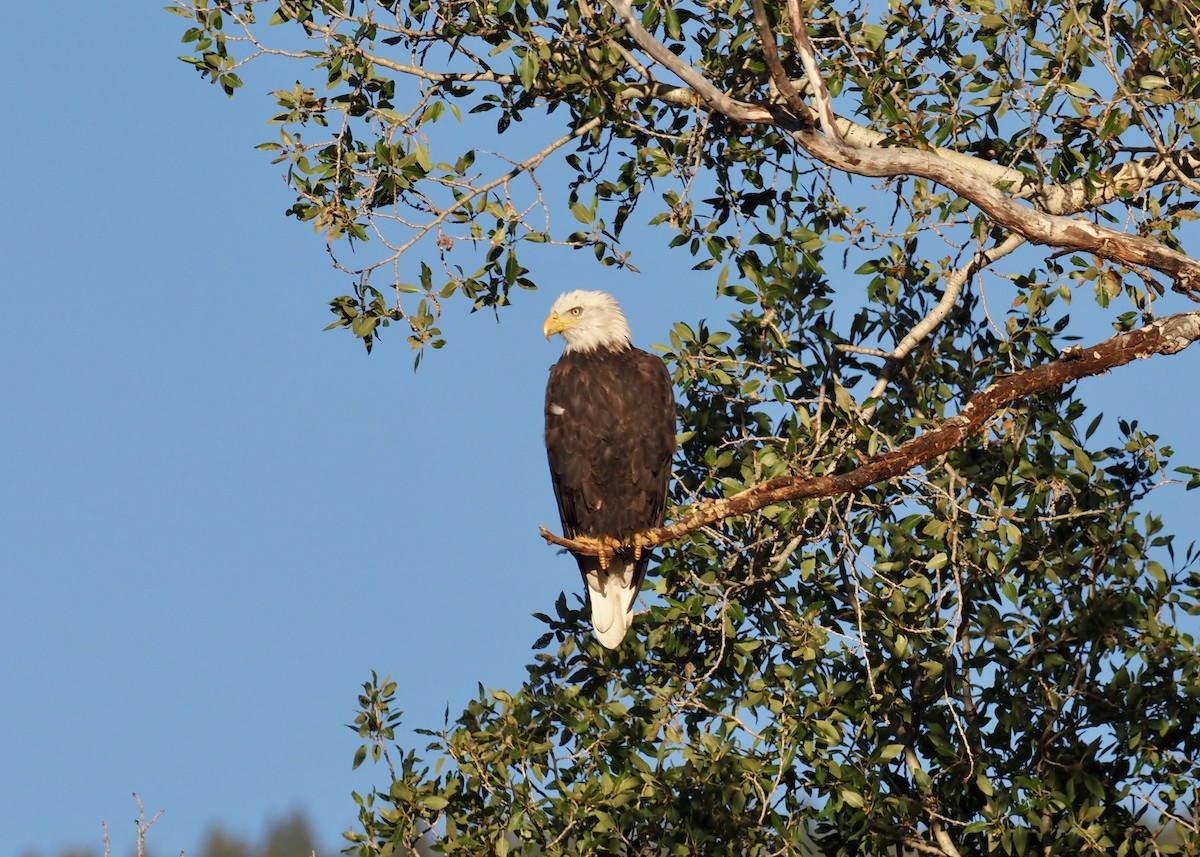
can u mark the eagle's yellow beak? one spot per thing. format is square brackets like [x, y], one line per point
[555, 323]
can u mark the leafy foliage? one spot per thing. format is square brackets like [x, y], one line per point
[988, 655]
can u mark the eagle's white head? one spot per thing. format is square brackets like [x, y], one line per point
[588, 321]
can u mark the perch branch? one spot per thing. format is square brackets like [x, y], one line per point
[1167, 335]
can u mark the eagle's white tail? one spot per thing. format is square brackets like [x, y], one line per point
[611, 594]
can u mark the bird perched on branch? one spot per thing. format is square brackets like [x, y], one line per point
[610, 436]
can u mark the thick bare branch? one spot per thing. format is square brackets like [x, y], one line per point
[1034, 225]
[1165, 336]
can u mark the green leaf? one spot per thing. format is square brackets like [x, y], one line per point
[852, 799]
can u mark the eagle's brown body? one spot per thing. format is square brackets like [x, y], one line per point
[610, 437]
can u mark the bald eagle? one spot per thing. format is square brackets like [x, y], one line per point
[610, 436]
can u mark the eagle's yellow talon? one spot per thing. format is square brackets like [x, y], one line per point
[639, 542]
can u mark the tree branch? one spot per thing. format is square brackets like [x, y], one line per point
[1128, 179]
[1132, 177]
[783, 84]
[1033, 224]
[812, 72]
[926, 326]
[1168, 335]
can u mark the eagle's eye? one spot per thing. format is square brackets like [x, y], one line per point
[576, 310]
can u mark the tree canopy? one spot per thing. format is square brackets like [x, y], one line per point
[909, 601]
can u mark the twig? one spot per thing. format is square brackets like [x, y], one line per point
[808, 58]
[783, 84]
[441, 77]
[926, 326]
[526, 166]
[846, 348]
[740, 111]
[143, 825]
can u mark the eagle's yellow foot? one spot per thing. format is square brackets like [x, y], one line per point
[609, 547]
[639, 544]
[604, 547]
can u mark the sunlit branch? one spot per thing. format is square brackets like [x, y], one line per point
[1034, 225]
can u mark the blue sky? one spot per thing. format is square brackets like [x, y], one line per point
[219, 519]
